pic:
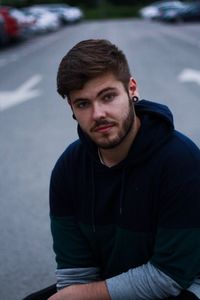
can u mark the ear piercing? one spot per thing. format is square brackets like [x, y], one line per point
[135, 99]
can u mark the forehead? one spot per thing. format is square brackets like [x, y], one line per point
[96, 85]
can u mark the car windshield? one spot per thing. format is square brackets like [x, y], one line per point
[188, 8]
[171, 5]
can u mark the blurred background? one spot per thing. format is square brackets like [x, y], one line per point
[162, 43]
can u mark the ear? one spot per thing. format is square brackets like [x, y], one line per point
[133, 91]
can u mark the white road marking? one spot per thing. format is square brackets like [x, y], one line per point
[29, 48]
[24, 93]
[190, 75]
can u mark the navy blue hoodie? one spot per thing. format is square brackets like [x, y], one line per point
[145, 209]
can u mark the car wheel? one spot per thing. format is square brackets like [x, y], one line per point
[179, 20]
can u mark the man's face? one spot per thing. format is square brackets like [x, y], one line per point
[104, 110]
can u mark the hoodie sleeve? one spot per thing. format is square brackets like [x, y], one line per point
[177, 243]
[144, 282]
[71, 248]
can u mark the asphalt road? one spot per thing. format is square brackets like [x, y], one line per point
[34, 133]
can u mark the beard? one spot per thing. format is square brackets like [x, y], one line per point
[127, 125]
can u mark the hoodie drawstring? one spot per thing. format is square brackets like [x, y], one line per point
[93, 199]
[122, 190]
[93, 195]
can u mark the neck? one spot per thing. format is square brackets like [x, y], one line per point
[111, 157]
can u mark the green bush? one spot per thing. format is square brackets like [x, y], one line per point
[108, 11]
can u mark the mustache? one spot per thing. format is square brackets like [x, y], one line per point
[99, 123]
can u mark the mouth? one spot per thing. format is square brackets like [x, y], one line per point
[103, 128]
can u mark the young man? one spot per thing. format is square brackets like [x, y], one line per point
[125, 197]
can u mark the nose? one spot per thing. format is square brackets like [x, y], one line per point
[98, 111]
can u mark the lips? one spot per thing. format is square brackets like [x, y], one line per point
[103, 128]
[102, 125]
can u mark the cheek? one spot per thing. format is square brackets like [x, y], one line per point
[122, 109]
[83, 120]
[119, 106]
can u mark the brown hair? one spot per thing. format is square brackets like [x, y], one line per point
[89, 59]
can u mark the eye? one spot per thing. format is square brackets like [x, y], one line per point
[109, 97]
[82, 104]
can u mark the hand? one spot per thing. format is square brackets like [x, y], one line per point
[90, 291]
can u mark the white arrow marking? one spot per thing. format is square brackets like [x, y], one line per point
[23, 93]
[190, 75]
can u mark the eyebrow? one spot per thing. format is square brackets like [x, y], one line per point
[107, 89]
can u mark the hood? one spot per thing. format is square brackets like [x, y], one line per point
[156, 126]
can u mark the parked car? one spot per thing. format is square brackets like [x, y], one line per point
[156, 9]
[16, 25]
[25, 22]
[189, 13]
[66, 13]
[3, 35]
[45, 21]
